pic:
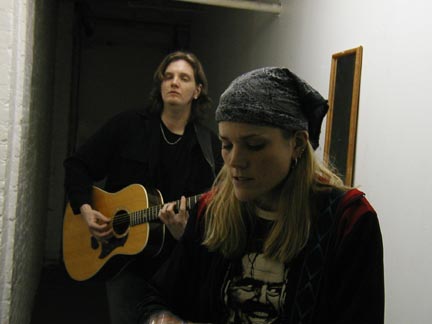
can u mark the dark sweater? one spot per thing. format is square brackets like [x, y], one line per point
[337, 278]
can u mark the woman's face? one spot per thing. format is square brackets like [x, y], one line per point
[258, 159]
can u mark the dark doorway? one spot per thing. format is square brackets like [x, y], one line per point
[116, 47]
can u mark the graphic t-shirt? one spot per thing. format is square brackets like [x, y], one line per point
[254, 289]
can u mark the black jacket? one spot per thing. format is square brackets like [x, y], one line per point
[126, 151]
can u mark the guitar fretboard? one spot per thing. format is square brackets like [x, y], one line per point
[151, 214]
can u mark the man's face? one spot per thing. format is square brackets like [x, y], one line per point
[178, 87]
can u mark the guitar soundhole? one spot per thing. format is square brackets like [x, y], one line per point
[121, 222]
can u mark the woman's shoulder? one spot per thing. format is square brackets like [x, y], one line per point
[346, 208]
[196, 222]
[204, 200]
[354, 209]
[342, 199]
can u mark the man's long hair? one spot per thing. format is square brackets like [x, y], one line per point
[200, 106]
[227, 220]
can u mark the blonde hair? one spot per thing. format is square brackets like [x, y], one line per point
[227, 219]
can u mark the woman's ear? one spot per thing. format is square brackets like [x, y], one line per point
[300, 139]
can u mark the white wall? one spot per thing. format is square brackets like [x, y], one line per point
[25, 106]
[5, 223]
[14, 101]
[393, 144]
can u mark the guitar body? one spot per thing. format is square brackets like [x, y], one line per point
[84, 256]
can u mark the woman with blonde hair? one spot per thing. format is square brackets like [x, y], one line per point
[279, 238]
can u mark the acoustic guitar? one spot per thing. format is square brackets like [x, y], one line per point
[136, 228]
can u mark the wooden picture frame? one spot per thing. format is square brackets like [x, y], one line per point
[341, 127]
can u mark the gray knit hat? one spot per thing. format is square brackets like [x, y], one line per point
[275, 97]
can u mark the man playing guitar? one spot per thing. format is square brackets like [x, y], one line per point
[165, 147]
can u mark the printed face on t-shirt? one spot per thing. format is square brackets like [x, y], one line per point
[256, 296]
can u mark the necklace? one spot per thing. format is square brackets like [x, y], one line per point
[165, 138]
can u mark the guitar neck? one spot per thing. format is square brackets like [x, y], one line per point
[152, 214]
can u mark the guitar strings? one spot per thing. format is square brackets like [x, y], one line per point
[145, 215]
[149, 214]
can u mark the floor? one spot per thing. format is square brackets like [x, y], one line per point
[62, 300]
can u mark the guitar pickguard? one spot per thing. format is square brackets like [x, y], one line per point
[109, 246]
